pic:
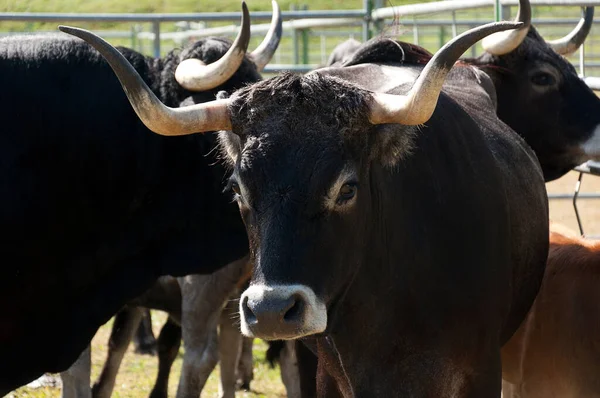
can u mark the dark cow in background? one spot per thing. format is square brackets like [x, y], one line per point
[342, 51]
[541, 96]
[537, 91]
[144, 340]
[96, 207]
[351, 215]
[555, 352]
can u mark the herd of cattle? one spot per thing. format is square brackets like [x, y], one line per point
[394, 237]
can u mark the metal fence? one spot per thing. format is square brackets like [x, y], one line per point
[310, 35]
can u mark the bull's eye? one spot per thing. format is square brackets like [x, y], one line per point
[543, 79]
[347, 192]
[233, 186]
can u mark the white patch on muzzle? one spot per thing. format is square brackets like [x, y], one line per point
[315, 312]
[591, 147]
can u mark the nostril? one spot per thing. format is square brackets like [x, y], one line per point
[248, 314]
[295, 309]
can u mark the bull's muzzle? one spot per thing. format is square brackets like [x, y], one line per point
[281, 312]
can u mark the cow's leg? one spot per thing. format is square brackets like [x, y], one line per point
[245, 370]
[169, 341]
[124, 327]
[144, 340]
[199, 318]
[290, 375]
[230, 346]
[308, 369]
[198, 366]
[76, 379]
[203, 297]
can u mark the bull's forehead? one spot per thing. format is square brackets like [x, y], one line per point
[299, 128]
[274, 167]
[535, 50]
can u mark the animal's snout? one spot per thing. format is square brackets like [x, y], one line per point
[281, 312]
[274, 310]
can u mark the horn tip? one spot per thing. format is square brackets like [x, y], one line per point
[245, 12]
[71, 30]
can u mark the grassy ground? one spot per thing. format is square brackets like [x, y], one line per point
[137, 373]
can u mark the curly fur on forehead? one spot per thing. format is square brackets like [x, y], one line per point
[327, 100]
[281, 105]
[311, 108]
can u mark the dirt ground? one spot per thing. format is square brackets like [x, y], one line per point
[589, 209]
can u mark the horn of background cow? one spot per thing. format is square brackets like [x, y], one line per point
[264, 52]
[418, 105]
[571, 42]
[194, 75]
[161, 119]
[505, 42]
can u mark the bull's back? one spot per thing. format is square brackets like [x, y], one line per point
[523, 189]
[465, 152]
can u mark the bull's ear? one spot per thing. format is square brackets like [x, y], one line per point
[229, 143]
[231, 147]
[392, 147]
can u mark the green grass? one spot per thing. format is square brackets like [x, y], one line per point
[137, 373]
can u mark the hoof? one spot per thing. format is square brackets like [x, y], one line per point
[245, 386]
[146, 349]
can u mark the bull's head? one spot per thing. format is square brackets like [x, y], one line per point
[301, 173]
[195, 75]
[540, 94]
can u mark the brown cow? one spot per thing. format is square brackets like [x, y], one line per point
[556, 351]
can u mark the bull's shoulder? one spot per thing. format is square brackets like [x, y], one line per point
[384, 50]
[471, 87]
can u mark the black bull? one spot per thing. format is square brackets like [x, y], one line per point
[419, 248]
[95, 207]
[439, 257]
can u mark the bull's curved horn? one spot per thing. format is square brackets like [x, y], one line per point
[505, 42]
[571, 42]
[194, 75]
[417, 106]
[264, 52]
[161, 119]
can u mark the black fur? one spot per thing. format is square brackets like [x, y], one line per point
[95, 206]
